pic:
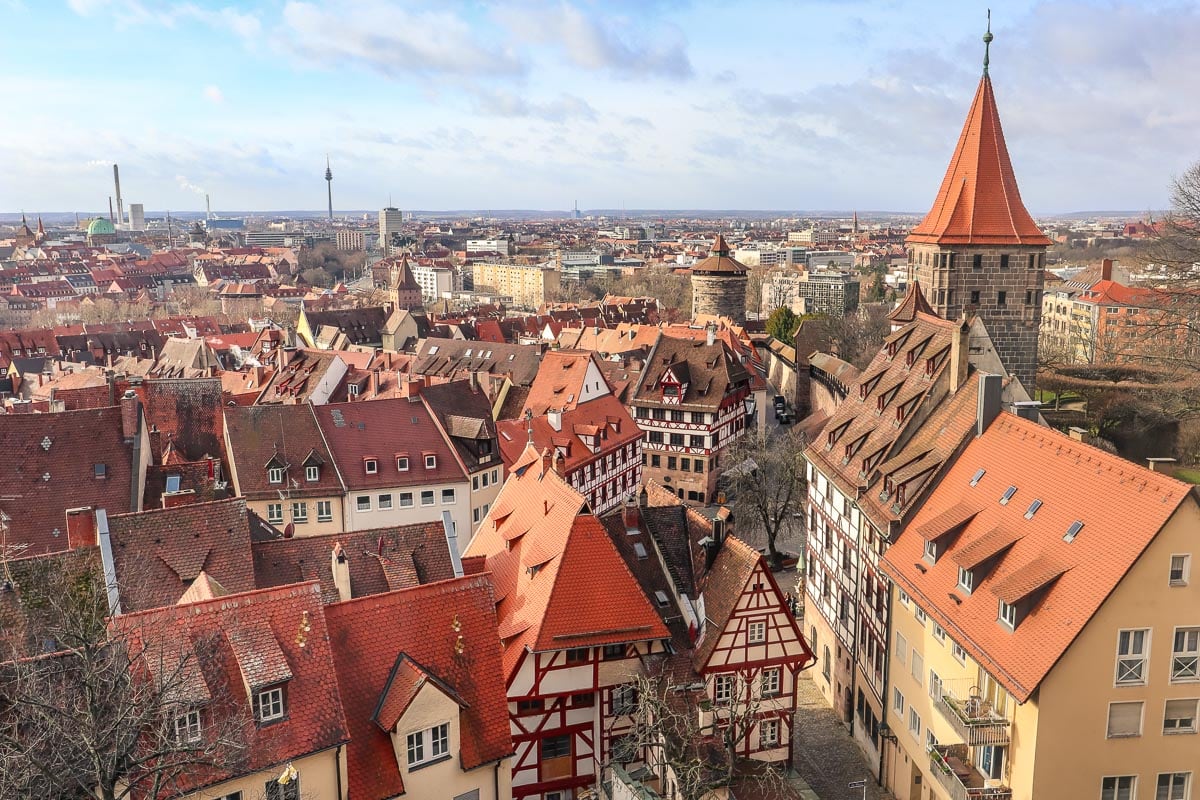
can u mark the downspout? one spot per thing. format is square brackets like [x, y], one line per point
[887, 645]
[338, 770]
[496, 781]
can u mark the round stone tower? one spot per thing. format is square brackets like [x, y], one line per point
[719, 285]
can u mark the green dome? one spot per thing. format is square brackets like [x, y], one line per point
[100, 226]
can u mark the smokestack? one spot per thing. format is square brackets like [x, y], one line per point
[207, 208]
[120, 207]
[110, 212]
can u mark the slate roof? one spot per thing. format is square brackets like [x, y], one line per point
[1122, 507]
[559, 581]
[49, 466]
[251, 637]
[455, 359]
[979, 202]
[379, 560]
[158, 554]
[425, 625]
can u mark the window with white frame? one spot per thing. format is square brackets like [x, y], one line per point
[371, 466]
[282, 791]
[931, 553]
[275, 474]
[1185, 654]
[402, 463]
[406, 499]
[324, 510]
[187, 727]
[723, 689]
[914, 723]
[430, 462]
[959, 653]
[312, 473]
[1007, 615]
[903, 597]
[918, 666]
[1180, 567]
[269, 705]
[920, 614]
[935, 685]
[768, 733]
[757, 632]
[1172, 786]
[1124, 719]
[300, 512]
[1179, 716]
[363, 502]
[939, 633]
[966, 580]
[384, 502]
[1133, 648]
[770, 681]
[426, 745]
[427, 498]
[1118, 787]
[275, 513]
[897, 700]
[447, 497]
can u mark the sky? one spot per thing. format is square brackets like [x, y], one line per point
[637, 104]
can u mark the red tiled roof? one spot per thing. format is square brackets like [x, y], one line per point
[427, 625]
[1122, 507]
[910, 305]
[559, 581]
[560, 381]
[593, 417]
[979, 202]
[50, 465]
[158, 554]
[287, 434]
[263, 635]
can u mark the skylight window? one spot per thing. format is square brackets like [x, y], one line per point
[1033, 507]
[1073, 531]
[173, 482]
[978, 476]
[661, 597]
[639, 549]
[1008, 494]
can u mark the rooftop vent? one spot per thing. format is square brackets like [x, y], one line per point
[1008, 494]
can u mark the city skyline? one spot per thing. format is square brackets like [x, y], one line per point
[519, 105]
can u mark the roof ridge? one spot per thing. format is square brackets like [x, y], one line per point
[433, 588]
[299, 588]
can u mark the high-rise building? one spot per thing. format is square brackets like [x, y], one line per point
[390, 221]
[978, 246]
[137, 217]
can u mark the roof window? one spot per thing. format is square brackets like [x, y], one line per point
[978, 475]
[662, 599]
[1033, 507]
[1073, 531]
[1008, 495]
[640, 550]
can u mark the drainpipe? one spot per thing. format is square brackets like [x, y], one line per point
[496, 781]
[338, 769]
[886, 675]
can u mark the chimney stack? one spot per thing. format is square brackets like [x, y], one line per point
[120, 205]
[340, 568]
[989, 401]
[632, 514]
[555, 418]
[1106, 269]
[81, 528]
[960, 351]
[131, 414]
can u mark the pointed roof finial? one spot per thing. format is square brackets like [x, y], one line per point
[987, 42]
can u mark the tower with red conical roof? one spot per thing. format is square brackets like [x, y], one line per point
[978, 246]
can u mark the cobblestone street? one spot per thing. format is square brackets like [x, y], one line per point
[826, 757]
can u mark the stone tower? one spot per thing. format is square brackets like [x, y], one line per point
[978, 247]
[406, 292]
[719, 285]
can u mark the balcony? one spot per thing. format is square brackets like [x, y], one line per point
[973, 719]
[952, 768]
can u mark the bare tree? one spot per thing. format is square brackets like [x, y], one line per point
[767, 482]
[696, 745]
[92, 707]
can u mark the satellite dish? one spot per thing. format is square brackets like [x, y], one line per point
[289, 530]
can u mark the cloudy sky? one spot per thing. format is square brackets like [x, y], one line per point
[442, 104]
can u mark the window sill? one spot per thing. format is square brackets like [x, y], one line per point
[268, 723]
[429, 763]
[1123, 736]
[1181, 732]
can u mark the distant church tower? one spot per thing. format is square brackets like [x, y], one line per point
[406, 292]
[719, 284]
[978, 247]
[329, 186]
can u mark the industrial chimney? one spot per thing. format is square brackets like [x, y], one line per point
[120, 207]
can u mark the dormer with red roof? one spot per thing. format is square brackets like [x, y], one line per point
[978, 246]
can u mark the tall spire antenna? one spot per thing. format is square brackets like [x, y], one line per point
[329, 185]
[987, 42]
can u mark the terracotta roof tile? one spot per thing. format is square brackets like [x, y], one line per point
[1122, 507]
[288, 434]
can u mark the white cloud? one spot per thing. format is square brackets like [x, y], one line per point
[502, 103]
[213, 94]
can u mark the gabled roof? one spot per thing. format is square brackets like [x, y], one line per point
[286, 433]
[379, 560]
[559, 581]
[1024, 556]
[447, 632]
[604, 417]
[910, 305]
[711, 372]
[159, 554]
[978, 202]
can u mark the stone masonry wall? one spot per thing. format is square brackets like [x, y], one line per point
[719, 293]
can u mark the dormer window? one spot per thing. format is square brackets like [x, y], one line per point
[371, 466]
[187, 728]
[352, 389]
[312, 473]
[966, 580]
[402, 463]
[270, 705]
[99, 471]
[428, 745]
[430, 462]
[275, 475]
[1008, 615]
[931, 551]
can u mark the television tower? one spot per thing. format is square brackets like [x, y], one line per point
[329, 185]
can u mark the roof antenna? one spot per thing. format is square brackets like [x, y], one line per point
[987, 42]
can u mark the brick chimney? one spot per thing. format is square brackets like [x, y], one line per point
[1106, 267]
[547, 460]
[632, 514]
[375, 382]
[131, 412]
[81, 528]
[181, 498]
[340, 567]
[960, 351]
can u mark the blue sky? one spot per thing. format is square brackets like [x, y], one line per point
[796, 104]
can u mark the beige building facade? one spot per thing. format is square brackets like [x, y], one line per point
[529, 285]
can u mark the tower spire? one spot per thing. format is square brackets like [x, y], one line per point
[987, 42]
[329, 185]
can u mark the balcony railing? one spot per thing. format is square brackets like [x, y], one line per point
[952, 768]
[974, 719]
